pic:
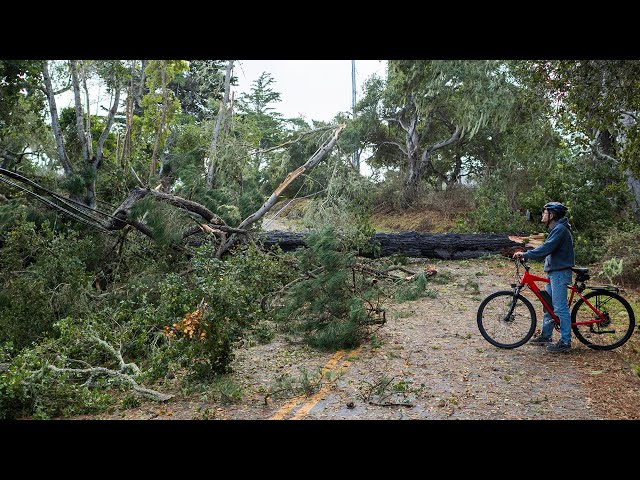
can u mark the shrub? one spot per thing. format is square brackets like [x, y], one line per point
[43, 279]
[492, 214]
[621, 245]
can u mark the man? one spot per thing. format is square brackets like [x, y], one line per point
[557, 251]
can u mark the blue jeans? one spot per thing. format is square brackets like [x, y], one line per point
[557, 288]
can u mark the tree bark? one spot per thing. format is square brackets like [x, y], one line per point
[108, 125]
[79, 111]
[634, 187]
[125, 155]
[447, 246]
[86, 96]
[632, 182]
[418, 163]
[123, 212]
[140, 93]
[216, 129]
[156, 145]
[55, 122]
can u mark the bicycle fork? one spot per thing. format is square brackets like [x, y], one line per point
[516, 291]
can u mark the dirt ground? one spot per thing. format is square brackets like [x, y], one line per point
[427, 362]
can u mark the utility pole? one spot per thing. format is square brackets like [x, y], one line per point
[356, 157]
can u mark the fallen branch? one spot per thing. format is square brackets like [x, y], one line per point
[120, 374]
[290, 142]
[96, 371]
[117, 354]
[271, 201]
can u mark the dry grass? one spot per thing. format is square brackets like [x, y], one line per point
[422, 220]
[432, 212]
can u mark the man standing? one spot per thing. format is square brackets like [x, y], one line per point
[557, 251]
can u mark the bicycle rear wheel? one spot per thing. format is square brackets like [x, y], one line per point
[505, 320]
[614, 331]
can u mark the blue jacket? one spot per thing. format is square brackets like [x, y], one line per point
[557, 249]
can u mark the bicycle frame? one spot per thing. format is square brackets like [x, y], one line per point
[529, 280]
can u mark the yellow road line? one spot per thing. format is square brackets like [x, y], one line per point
[319, 395]
[287, 407]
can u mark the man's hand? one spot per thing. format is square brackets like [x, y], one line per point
[518, 255]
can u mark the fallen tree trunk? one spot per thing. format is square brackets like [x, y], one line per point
[446, 246]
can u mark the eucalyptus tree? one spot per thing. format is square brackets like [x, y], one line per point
[598, 99]
[430, 105]
[224, 111]
[80, 170]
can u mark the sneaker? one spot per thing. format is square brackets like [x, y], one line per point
[559, 347]
[540, 340]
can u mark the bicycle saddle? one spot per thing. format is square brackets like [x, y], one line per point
[582, 274]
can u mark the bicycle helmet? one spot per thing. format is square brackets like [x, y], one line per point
[556, 207]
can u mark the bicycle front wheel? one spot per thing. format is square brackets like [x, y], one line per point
[505, 320]
[614, 331]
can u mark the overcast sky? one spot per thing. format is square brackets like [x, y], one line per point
[314, 89]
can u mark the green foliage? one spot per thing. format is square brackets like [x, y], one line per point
[227, 390]
[44, 278]
[165, 221]
[621, 258]
[492, 214]
[612, 268]
[422, 104]
[346, 206]
[417, 288]
[287, 385]
[255, 108]
[329, 309]
[160, 103]
[205, 355]
[232, 291]
[27, 389]
[21, 108]
[264, 331]
[594, 95]
[201, 87]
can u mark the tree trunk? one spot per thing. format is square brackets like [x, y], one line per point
[216, 129]
[108, 124]
[632, 182]
[79, 111]
[156, 145]
[228, 117]
[414, 175]
[140, 93]
[86, 96]
[125, 155]
[448, 246]
[418, 163]
[55, 122]
[634, 188]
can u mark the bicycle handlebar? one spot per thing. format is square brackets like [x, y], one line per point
[521, 261]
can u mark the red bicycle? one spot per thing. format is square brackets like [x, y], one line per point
[601, 319]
